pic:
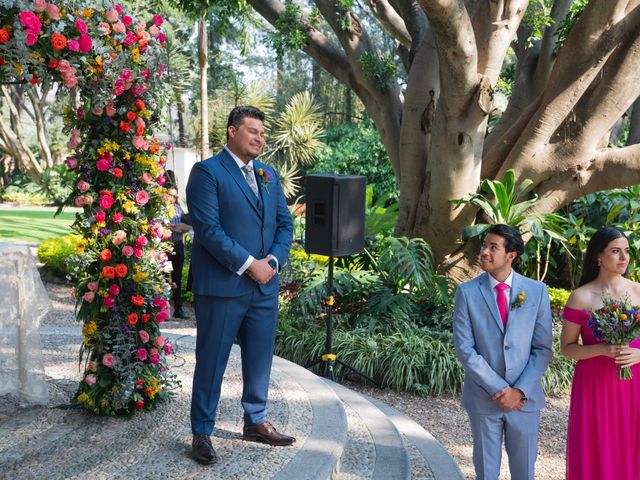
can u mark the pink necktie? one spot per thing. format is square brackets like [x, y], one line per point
[502, 302]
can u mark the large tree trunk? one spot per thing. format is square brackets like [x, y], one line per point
[435, 133]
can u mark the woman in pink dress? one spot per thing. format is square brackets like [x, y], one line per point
[603, 438]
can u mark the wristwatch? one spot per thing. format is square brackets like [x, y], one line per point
[273, 264]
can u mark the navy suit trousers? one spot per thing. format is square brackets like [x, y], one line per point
[252, 319]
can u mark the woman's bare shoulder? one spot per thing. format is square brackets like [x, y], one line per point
[584, 298]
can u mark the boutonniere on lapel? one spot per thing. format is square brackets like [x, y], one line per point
[265, 178]
[519, 301]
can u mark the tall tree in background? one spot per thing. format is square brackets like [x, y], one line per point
[554, 131]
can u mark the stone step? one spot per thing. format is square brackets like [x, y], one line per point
[341, 434]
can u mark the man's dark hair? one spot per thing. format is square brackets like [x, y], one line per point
[596, 246]
[512, 239]
[238, 114]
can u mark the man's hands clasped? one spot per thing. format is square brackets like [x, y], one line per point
[261, 271]
[509, 399]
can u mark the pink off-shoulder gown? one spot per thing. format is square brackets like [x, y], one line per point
[603, 438]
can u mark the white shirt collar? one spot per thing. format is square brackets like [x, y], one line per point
[239, 162]
[495, 282]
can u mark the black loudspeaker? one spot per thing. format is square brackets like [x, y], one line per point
[335, 214]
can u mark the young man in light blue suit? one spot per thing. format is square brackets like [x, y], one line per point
[243, 234]
[502, 334]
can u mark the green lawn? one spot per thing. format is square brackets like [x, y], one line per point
[32, 225]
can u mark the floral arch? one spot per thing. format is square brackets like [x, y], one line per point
[113, 65]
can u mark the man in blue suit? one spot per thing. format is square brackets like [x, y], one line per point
[502, 334]
[243, 234]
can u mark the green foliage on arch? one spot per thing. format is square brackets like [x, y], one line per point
[112, 64]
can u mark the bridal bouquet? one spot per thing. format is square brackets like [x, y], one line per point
[616, 323]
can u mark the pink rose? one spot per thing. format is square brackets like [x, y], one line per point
[71, 162]
[70, 82]
[89, 297]
[161, 316]
[90, 379]
[96, 111]
[74, 140]
[130, 38]
[162, 38]
[114, 289]
[142, 354]
[73, 45]
[92, 367]
[141, 240]
[157, 20]
[103, 165]
[109, 110]
[138, 142]
[30, 21]
[118, 237]
[85, 43]
[83, 186]
[112, 15]
[144, 336]
[119, 27]
[108, 360]
[79, 201]
[106, 202]
[53, 11]
[109, 302]
[142, 197]
[154, 356]
[168, 348]
[100, 216]
[137, 251]
[159, 302]
[154, 31]
[118, 8]
[32, 38]
[117, 218]
[127, 20]
[81, 26]
[93, 286]
[40, 5]
[146, 178]
[127, 251]
[159, 341]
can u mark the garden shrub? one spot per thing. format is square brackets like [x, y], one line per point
[558, 297]
[53, 252]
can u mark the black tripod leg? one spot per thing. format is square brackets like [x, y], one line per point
[358, 372]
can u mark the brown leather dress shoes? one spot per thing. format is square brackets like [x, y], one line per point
[266, 433]
[202, 450]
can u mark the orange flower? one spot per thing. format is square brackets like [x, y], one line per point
[154, 148]
[58, 41]
[108, 272]
[121, 270]
[137, 300]
[139, 104]
[4, 35]
[132, 318]
[105, 255]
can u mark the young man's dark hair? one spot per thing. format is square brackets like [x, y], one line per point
[512, 239]
[238, 114]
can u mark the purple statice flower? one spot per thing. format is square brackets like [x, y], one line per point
[104, 231]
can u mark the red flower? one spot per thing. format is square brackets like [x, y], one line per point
[124, 126]
[131, 116]
[1, 61]
[121, 270]
[145, 318]
[140, 130]
[34, 79]
[137, 300]
[4, 35]
[58, 41]
[109, 273]
[117, 172]
[105, 255]
[139, 382]
[139, 104]
[53, 63]
[139, 404]
[132, 318]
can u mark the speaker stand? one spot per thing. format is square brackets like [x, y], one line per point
[328, 358]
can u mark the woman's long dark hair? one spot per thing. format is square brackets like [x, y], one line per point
[596, 246]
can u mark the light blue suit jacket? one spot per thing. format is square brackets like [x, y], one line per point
[230, 224]
[494, 358]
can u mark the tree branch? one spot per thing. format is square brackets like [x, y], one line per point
[545, 58]
[457, 54]
[391, 21]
